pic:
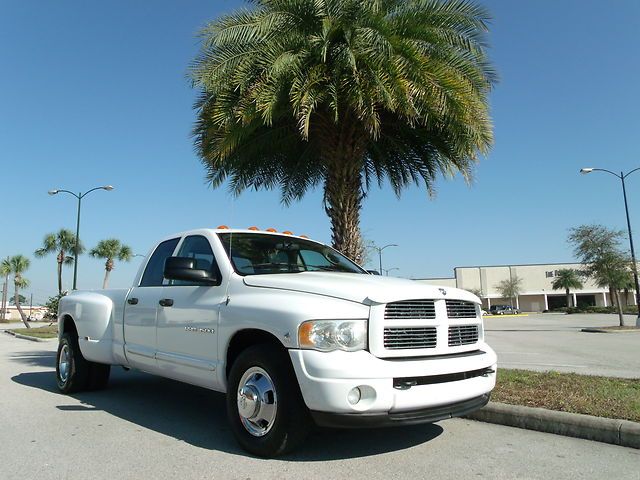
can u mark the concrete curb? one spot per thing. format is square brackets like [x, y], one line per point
[602, 330]
[27, 337]
[606, 430]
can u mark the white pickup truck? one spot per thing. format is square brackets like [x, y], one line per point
[294, 332]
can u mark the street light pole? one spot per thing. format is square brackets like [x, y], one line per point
[380, 249]
[622, 177]
[79, 196]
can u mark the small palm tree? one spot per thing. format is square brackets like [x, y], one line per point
[18, 265]
[60, 243]
[510, 288]
[566, 280]
[111, 249]
[343, 94]
[5, 271]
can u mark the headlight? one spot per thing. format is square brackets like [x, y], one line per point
[329, 335]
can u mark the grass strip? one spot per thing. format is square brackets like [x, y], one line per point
[569, 392]
[50, 331]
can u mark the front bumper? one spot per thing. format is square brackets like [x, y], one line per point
[393, 387]
[412, 417]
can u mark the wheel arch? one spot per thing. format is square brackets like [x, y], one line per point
[66, 324]
[243, 339]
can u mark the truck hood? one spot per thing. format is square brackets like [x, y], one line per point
[361, 288]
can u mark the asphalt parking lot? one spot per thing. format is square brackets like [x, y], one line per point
[554, 342]
[147, 427]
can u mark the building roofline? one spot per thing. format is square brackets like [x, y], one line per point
[519, 265]
[434, 278]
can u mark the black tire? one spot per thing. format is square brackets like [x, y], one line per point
[292, 421]
[98, 375]
[72, 373]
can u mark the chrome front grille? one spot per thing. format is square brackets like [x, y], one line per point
[396, 338]
[463, 335]
[410, 310]
[461, 309]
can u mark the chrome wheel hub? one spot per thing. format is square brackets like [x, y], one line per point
[64, 363]
[257, 401]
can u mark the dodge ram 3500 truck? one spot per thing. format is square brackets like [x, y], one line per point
[290, 329]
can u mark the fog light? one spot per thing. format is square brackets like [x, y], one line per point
[354, 395]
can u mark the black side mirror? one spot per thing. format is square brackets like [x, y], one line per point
[183, 268]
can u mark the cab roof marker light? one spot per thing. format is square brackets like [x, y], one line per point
[272, 230]
[303, 236]
[254, 228]
[223, 227]
[287, 232]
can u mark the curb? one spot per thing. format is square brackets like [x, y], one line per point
[602, 330]
[27, 337]
[607, 430]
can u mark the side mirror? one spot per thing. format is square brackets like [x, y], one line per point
[183, 268]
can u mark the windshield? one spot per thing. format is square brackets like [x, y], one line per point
[258, 254]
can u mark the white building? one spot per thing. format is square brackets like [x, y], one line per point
[536, 279]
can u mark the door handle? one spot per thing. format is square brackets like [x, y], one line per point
[132, 301]
[166, 302]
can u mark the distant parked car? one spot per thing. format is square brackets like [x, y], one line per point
[503, 310]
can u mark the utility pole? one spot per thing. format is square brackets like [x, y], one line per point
[30, 306]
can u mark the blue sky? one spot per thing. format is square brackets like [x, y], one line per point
[95, 93]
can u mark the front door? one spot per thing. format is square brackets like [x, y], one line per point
[141, 309]
[188, 320]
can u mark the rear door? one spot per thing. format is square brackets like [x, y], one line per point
[140, 312]
[188, 320]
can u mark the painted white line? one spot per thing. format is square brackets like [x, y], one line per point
[520, 353]
[543, 364]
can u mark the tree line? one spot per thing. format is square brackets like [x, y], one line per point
[605, 262]
[63, 245]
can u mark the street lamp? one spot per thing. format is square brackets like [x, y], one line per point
[622, 176]
[379, 250]
[79, 196]
[387, 270]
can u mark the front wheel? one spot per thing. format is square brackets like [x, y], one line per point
[265, 408]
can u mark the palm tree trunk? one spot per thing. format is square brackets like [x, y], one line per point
[60, 260]
[568, 298]
[343, 192]
[5, 294]
[108, 266]
[16, 299]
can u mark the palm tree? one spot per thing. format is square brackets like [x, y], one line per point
[18, 265]
[567, 278]
[60, 243]
[613, 270]
[5, 271]
[111, 249]
[342, 93]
